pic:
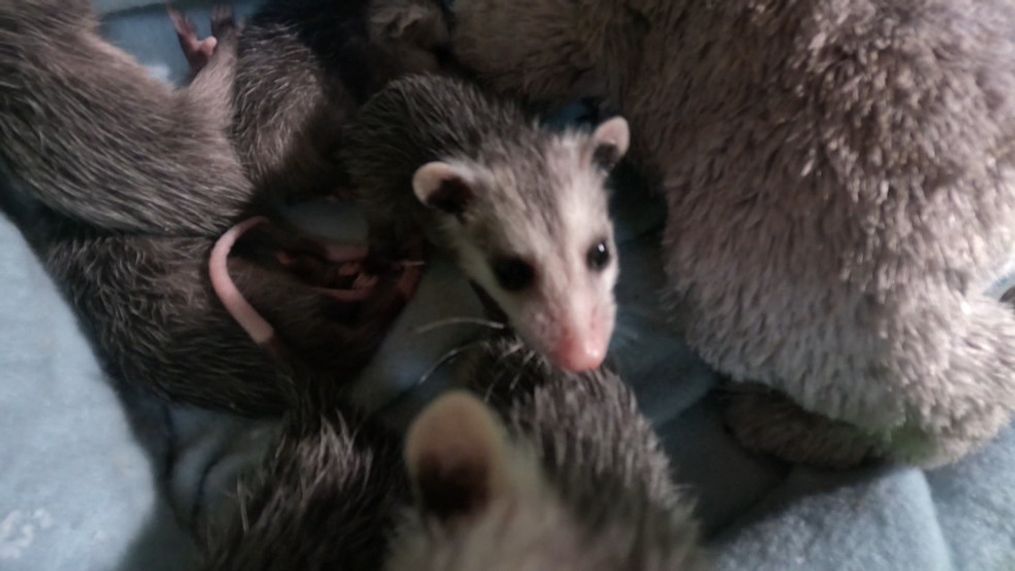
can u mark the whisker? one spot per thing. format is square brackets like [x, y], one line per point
[445, 359]
[514, 382]
[405, 393]
[458, 321]
[518, 346]
[244, 521]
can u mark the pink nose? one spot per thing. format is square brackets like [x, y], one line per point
[578, 353]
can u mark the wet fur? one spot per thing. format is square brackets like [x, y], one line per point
[122, 184]
[839, 184]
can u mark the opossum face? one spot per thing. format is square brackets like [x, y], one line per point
[530, 225]
[484, 503]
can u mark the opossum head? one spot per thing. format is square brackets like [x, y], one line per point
[528, 218]
[485, 503]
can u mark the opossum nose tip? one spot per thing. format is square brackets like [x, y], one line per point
[578, 352]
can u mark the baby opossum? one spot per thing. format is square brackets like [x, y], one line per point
[522, 208]
[127, 184]
[570, 476]
[840, 190]
[577, 482]
[303, 67]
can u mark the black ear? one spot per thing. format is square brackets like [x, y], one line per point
[444, 187]
[611, 141]
[456, 453]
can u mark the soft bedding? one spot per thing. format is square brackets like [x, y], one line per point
[97, 477]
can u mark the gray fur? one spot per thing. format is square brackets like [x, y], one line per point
[839, 183]
[58, 77]
[610, 501]
[326, 498]
[130, 182]
[423, 118]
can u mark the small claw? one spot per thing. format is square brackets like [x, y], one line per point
[350, 269]
[338, 253]
[365, 281]
[181, 23]
[345, 295]
[196, 52]
[410, 264]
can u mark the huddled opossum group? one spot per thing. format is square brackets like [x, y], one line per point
[840, 190]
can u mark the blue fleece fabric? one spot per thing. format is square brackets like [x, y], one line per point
[94, 478]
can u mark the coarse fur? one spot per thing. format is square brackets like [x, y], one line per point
[125, 184]
[839, 184]
[303, 68]
[326, 498]
[432, 155]
[569, 476]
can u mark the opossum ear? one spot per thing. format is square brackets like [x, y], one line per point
[443, 186]
[611, 140]
[457, 455]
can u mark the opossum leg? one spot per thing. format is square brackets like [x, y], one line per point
[198, 52]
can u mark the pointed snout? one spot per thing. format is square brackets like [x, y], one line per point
[580, 351]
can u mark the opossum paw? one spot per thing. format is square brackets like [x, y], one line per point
[198, 52]
[767, 422]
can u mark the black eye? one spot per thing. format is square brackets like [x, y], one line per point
[513, 274]
[599, 256]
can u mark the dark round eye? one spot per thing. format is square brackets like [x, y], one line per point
[513, 274]
[599, 256]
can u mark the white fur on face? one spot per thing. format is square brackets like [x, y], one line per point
[568, 297]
